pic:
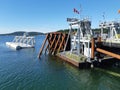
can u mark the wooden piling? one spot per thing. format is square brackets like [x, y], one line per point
[41, 49]
[93, 48]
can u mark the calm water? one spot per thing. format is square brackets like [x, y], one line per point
[21, 70]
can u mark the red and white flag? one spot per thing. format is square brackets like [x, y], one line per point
[76, 11]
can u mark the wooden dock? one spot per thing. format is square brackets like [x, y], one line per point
[75, 60]
[59, 44]
[54, 43]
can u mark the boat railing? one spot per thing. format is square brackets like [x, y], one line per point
[24, 40]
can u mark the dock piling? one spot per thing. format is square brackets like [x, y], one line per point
[93, 48]
[41, 49]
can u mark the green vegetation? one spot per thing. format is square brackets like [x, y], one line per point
[75, 57]
[66, 30]
[19, 33]
[96, 30]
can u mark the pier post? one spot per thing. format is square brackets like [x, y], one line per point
[93, 48]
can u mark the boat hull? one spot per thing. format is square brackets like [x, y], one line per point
[18, 46]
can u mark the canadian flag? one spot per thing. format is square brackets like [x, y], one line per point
[76, 11]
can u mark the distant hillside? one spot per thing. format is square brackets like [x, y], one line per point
[20, 33]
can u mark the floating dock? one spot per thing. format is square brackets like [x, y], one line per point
[72, 58]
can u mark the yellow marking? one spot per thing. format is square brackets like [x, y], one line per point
[118, 36]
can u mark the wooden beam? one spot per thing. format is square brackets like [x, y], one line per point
[46, 47]
[92, 48]
[108, 53]
[41, 49]
[59, 36]
[63, 39]
[49, 42]
[51, 46]
[56, 43]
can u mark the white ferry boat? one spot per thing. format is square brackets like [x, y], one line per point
[21, 42]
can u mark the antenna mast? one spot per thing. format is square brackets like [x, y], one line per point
[80, 11]
[103, 16]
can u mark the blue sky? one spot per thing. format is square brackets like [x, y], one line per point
[50, 15]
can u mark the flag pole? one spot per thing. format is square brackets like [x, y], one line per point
[103, 16]
[80, 11]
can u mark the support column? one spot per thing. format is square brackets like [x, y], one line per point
[79, 29]
[68, 37]
[92, 48]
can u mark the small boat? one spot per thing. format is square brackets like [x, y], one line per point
[20, 42]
